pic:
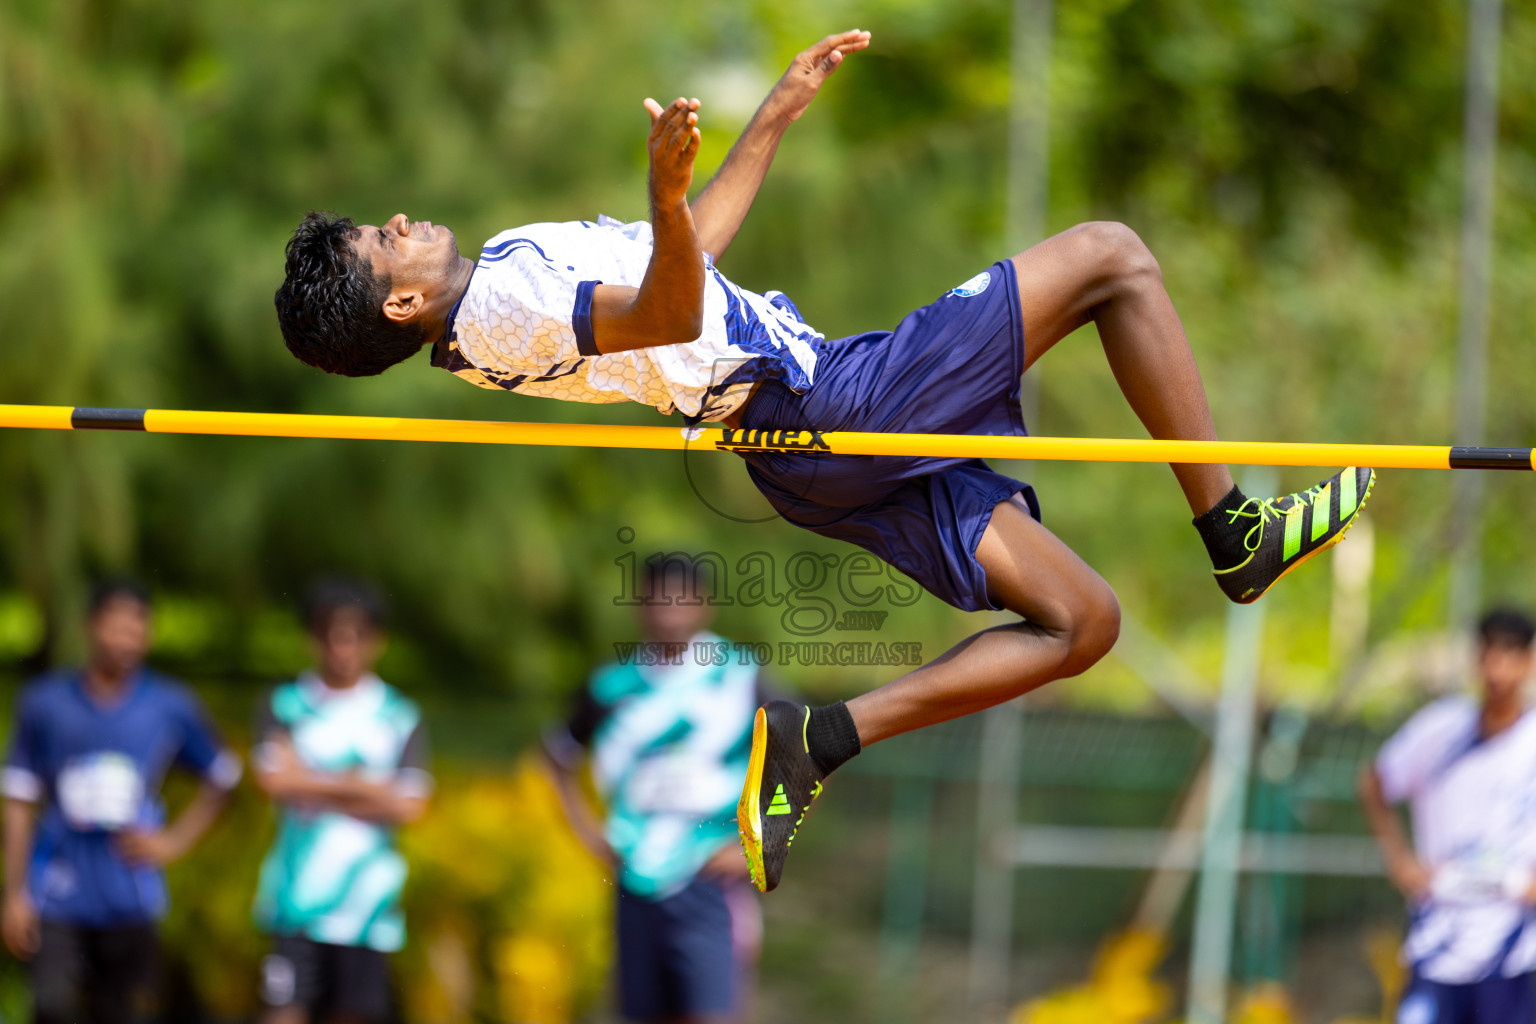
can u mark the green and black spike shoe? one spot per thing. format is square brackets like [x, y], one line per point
[1282, 533]
[782, 780]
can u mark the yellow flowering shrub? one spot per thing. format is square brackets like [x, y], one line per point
[510, 916]
[1120, 989]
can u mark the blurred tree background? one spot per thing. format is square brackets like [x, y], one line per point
[1295, 167]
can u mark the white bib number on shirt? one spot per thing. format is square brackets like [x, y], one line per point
[676, 783]
[100, 791]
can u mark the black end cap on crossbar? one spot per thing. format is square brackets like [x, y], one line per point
[86, 418]
[1490, 458]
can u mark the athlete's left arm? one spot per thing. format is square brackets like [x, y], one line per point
[162, 846]
[720, 209]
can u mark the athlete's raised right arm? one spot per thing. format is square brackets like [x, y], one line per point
[722, 206]
[668, 307]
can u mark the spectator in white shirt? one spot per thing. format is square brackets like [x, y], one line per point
[1467, 769]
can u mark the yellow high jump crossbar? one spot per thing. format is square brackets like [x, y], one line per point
[579, 435]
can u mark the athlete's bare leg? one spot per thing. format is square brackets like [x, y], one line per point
[1071, 620]
[1102, 272]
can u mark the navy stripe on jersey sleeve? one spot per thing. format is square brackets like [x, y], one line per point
[417, 752]
[413, 775]
[566, 742]
[268, 730]
[587, 714]
[267, 725]
[581, 318]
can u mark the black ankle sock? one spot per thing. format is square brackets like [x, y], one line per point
[1223, 538]
[831, 737]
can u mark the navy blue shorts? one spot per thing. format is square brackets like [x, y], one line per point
[1506, 1000]
[676, 957]
[951, 367]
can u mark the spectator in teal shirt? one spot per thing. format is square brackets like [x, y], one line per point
[343, 755]
[668, 746]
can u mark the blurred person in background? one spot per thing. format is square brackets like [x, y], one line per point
[668, 745]
[343, 755]
[85, 882]
[1467, 768]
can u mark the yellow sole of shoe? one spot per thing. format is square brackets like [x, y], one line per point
[1304, 559]
[749, 821]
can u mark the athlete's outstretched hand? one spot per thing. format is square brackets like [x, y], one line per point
[673, 144]
[810, 68]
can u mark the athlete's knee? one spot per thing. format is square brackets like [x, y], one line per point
[1093, 626]
[1119, 253]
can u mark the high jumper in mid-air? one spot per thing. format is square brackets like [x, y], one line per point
[607, 312]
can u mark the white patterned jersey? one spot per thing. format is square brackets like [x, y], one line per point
[525, 324]
[1474, 826]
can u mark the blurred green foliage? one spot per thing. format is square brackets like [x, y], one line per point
[1294, 166]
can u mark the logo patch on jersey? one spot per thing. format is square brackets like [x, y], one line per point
[975, 286]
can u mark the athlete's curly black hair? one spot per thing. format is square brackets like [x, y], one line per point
[330, 306]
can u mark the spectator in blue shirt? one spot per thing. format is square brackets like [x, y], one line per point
[85, 835]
